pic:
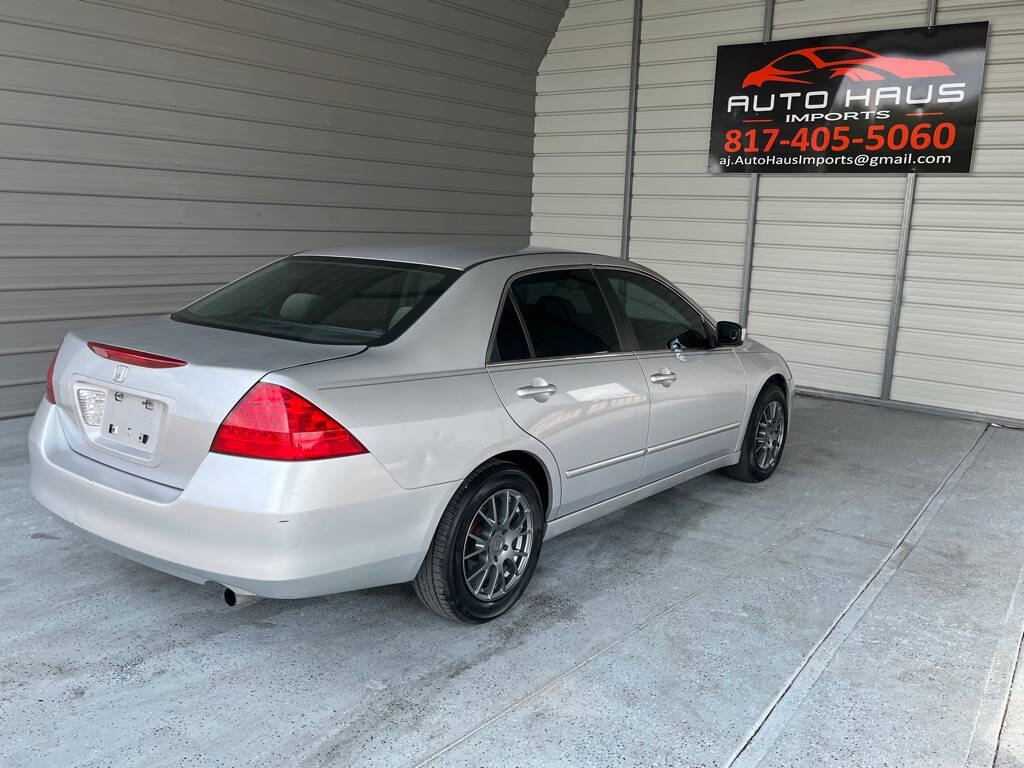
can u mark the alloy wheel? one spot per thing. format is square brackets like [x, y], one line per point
[497, 547]
[771, 432]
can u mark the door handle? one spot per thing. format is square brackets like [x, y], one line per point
[538, 389]
[665, 377]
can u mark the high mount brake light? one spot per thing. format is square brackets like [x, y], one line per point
[134, 356]
[272, 422]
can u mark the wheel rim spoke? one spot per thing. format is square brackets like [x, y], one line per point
[482, 571]
[493, 519]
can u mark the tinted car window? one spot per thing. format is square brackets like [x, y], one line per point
[324, 300]
[565, 313]
[657, 314]
[510, 339]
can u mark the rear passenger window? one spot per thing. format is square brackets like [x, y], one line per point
[510, 339]
[565, 313]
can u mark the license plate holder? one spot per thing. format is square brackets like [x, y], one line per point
[132, 423]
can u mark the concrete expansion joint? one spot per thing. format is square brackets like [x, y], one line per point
[896, 556]
[990, 719]
[772, 724]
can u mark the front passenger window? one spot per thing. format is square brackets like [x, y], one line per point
[659, 316]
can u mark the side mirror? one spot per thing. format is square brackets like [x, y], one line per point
[730, 334]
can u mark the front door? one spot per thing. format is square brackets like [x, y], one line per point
[558, 367]
[698, 390]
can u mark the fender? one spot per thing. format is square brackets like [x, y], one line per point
[430, 430]
[759, 364]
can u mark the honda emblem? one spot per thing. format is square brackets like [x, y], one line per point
[120, 373]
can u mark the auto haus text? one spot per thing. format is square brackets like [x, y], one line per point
[850, 104]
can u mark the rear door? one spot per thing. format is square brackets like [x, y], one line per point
[558, 366]
[698, 390]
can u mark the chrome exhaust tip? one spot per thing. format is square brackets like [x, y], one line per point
[233, 598]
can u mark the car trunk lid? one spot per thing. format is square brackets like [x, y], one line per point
[159, 422]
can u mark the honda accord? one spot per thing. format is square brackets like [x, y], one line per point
[351, 418]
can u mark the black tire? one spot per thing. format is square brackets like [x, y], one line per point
[441, 583]
[748, 469]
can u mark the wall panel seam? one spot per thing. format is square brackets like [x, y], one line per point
[179, 139]
[902, 256]
[369, 86]
[231, 116]
[634, 82]
[461, 189]
[474, 10]
[359, 158]
[750, 235]
[379, 8]
[254, 63]
[319, 21]
[265, 203]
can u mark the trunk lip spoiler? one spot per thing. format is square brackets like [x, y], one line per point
[134, 356]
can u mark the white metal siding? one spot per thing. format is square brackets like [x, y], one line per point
[961, 337]
[582, 107]
[825, 246]
[686, 224]
[152, 151]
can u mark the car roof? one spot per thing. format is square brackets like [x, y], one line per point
[460, 256]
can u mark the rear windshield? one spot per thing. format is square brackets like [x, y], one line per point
[324, 300]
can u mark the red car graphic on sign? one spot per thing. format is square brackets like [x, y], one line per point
[810, 65]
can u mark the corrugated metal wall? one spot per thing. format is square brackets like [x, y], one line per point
[582, 109]
[150, 151]
[961, 337]
[825, 246]
[686, 224]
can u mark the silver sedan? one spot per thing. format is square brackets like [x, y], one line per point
[351, 418]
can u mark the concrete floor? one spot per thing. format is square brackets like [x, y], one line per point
[862, 608]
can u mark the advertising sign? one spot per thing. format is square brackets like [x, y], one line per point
[898, 100]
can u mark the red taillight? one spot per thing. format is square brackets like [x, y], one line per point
[134, 356]
[50, 395]
[272, 422]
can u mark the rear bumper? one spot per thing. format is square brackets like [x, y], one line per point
[275, 529]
